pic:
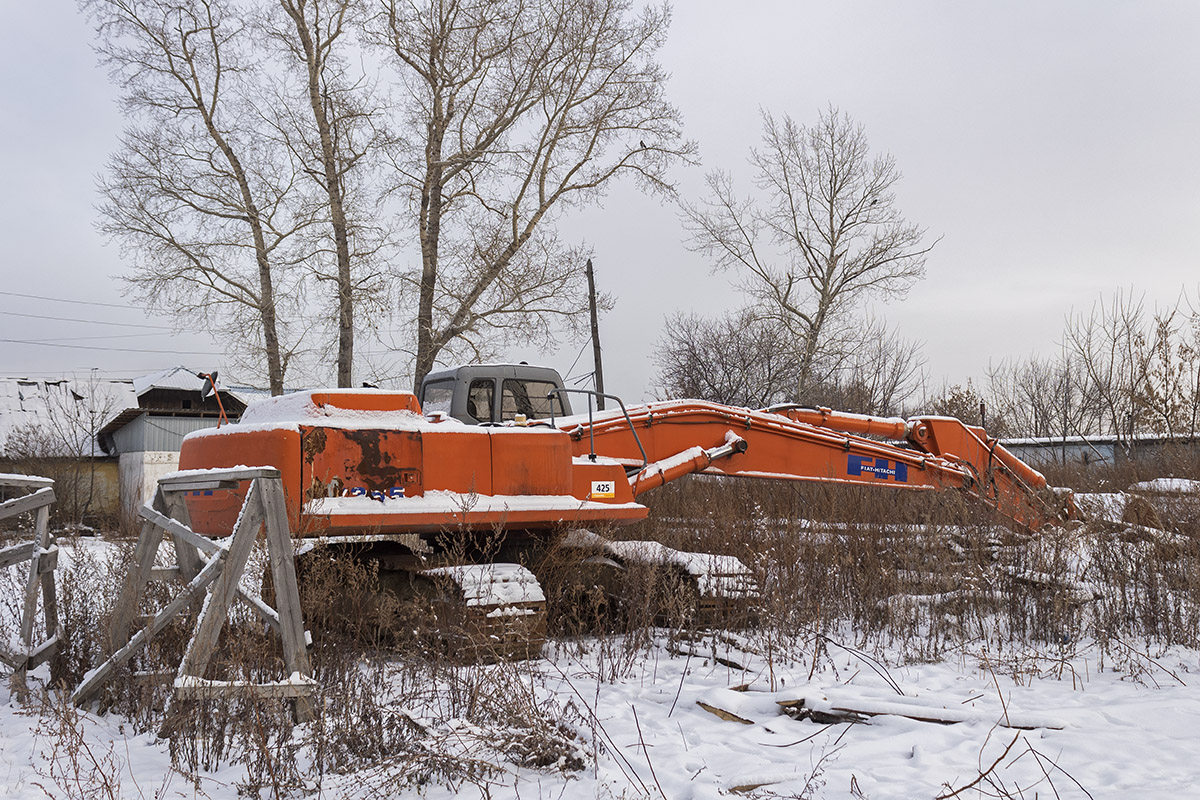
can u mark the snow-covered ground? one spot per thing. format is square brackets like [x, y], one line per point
[1116, 733]
[685, 717]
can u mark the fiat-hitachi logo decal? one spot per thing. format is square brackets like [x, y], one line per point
[880, 467]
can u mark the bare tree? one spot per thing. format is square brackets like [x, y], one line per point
[61, 443]
[743, 359]
[737, 360]
[1122, 370]
[880, 372]
[199, 199]
[514, 111]
[1043, 397]
[335, 139]
[824, 233]
[1111, 344]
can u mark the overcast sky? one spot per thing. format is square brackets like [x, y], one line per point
[1051, 145]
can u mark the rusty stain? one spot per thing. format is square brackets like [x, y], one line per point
[313, 443]
[381, 451]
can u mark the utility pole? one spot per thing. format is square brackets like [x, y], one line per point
[599, 370]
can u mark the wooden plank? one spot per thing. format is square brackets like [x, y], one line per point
[19, 505]
[24, 481]
[44, 652]
[50, 602]
[201, 485]
[49, 560]
[207, 690]
[164, 574]
[135, 581]
[187, 554]
[49, 554]
[16, 554]
[33, 583]
[189, 595]
[176, 480]
[861, 709]
[264, 611]
[180, 530]
[12, 660]
[287, 592]
[216, 606]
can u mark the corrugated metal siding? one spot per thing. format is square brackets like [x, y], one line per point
[150, 432]
[131, 437]
[166, 433]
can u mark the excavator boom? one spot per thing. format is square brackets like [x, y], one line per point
[368, 460]
[923, 453]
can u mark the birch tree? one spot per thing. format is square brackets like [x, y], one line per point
[335, 140]
[513, 111]
[199, 199]
[822, 234]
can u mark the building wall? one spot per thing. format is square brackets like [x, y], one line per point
[106, 499]
[158, 433]
[140, 472]
[1070, 452]
[1103, 450]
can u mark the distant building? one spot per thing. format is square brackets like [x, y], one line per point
[146, 436]
[1102, 450]
[49, 427]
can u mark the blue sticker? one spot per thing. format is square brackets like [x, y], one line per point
[880, 467]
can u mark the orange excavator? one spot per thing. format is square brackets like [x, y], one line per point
[496, 448]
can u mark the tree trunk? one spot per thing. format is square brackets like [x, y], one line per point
[333, 187]
[430, 232]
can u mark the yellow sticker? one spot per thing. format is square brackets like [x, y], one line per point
[603, 490]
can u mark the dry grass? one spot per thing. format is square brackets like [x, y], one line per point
[919, 575]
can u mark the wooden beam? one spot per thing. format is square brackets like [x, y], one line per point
[16, 554]
[187, 553]
[176, 481]
[34, 581]
[131, 591]
[287, 591]
[44, 652]
[205, 690]
[201, 485]
[13, 660]
[164, 573]
[19, 505]
[182, 531]
[25, 481]
[190, 594]
[216, 608]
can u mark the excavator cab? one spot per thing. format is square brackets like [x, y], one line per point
[491, 394]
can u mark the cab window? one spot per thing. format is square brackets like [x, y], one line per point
[479, 400]
[436, 397]
[529, 398]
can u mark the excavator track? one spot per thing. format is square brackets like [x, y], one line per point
[698, 590]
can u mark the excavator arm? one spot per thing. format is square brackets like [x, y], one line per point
[659, 442]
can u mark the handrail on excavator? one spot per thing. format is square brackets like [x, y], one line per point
[591, 429]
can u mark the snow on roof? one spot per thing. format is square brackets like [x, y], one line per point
[184, 379]
[58, 417]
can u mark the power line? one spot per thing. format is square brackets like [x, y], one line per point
[64, 300]
[93, 338]
[88, 321]
[115, 349]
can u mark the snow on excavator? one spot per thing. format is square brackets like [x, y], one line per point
[420, 485]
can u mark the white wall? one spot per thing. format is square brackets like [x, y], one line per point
[140, 472]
